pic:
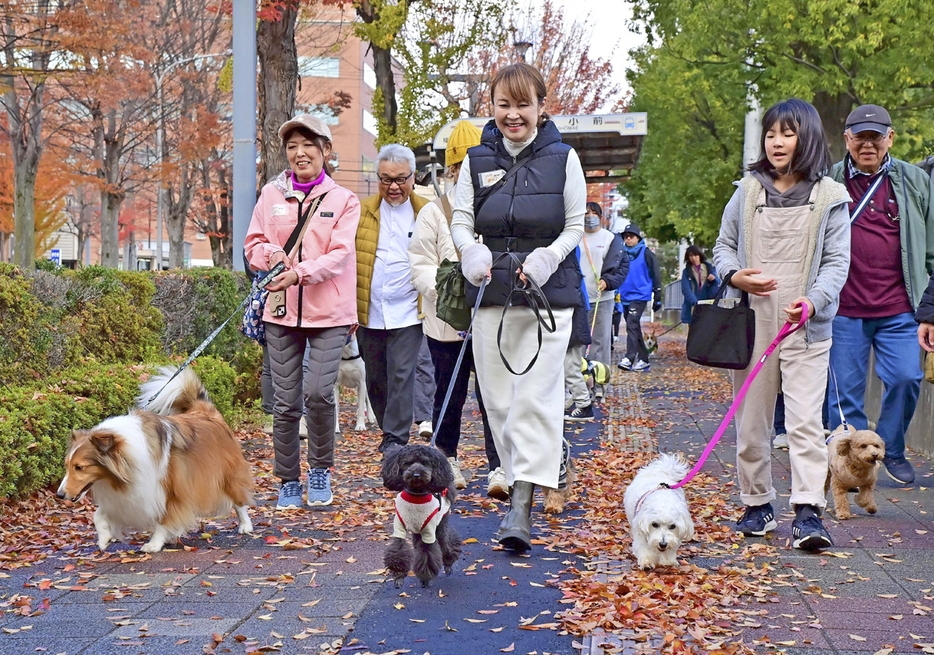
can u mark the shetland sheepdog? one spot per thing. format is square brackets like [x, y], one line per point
[160, 470]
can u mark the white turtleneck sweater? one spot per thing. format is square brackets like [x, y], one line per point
[575, 203]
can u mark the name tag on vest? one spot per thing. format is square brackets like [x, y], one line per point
[491, 177]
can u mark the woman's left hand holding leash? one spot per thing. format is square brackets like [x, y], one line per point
[794, 310]
[285, 279]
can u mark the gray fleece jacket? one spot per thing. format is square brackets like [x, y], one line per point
[830, 236]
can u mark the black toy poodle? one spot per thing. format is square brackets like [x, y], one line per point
[423, 477]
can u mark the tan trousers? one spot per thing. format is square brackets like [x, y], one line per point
[526, 412]
[780, 241]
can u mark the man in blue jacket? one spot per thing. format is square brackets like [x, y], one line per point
[891, 257]
[643, 281]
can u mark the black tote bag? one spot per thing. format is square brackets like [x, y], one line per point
[722, 337]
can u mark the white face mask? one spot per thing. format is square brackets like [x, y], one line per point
[591, 221]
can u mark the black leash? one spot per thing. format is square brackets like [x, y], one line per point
[457, 365]
[278, 268]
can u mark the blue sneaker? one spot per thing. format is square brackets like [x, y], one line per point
[319, 488]
[899, 469]
[290, 495]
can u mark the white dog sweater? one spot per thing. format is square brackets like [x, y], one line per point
[419, 515]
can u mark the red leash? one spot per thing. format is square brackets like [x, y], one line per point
[787, 329]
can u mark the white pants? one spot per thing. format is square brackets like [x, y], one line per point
[526, 412]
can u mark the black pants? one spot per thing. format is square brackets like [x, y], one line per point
[390, 357]
[635, 346]
[444, 357]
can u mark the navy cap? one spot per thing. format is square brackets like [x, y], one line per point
[869, 118]
[632, 228]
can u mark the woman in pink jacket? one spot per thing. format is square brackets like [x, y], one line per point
[319, 282]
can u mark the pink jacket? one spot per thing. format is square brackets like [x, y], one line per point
[326, 293]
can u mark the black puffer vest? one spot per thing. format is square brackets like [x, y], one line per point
[522, 214]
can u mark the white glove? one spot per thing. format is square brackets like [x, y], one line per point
[540, 265]
[476, 261]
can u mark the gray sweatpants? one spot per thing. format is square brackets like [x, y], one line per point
[286, 347]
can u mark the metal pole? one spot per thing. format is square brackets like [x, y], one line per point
[243, 193]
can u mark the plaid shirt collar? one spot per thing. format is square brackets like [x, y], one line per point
[852, 171]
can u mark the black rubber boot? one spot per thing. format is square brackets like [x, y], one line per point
[515, 532]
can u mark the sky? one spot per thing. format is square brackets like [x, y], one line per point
[609, 19]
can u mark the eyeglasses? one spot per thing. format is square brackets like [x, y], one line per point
[875, 140]
[398, 181]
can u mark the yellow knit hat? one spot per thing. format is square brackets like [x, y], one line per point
[464, 136]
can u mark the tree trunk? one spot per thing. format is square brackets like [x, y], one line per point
[24, 203]
[110, 228]
[278, 79]
[176, 214]
[386, 81]
[833, 110]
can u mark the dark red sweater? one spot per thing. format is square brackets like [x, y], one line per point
[875, 287]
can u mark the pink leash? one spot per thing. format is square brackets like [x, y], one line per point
[787, 329]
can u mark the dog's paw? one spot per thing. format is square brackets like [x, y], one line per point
[152, 547]
[425, 583]
[872, 509]
[448, 570]
[842, 514]
[102, 543]
[360, 426]
[398, 582]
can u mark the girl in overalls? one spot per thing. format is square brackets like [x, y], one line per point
[785, 239]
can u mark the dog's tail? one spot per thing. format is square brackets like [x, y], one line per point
[178, 397]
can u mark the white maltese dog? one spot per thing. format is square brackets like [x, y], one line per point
[659, 518]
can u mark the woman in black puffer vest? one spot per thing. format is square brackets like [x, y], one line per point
[523, 191]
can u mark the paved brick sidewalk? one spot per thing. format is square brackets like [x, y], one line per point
[873, 591]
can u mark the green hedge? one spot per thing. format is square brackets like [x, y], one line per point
[77, 343]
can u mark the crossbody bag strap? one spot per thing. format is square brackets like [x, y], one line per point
[864, 201]
[445, 205]
[498, 186]
[537, 300]
[294, 242]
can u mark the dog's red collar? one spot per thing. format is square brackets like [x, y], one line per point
[416, 499]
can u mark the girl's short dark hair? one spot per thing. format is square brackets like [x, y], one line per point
[811, 158]
[595, 208]
[694, 250]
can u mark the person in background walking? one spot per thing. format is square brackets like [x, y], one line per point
[785, 240]
[319, 302]
[643, 282]
[524, 192]
[390, 333]
[432, 244]
[605, 266]
[578, 403]
[892, 232]
[699, 281]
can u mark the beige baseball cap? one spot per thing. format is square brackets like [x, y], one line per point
[311, 123]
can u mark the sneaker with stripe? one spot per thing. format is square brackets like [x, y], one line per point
[757, 520]
[808, 530]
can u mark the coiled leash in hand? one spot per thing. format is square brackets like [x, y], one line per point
[786, 330]
[457, 364]
[278, 268]
[536, 300]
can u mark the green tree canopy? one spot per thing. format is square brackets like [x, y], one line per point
[837, 54]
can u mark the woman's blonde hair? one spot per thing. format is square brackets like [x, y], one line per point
[517, 81]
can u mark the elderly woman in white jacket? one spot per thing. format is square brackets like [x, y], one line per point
[430, 245]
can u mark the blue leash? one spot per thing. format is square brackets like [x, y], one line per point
[457, 365]
[278, 268]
